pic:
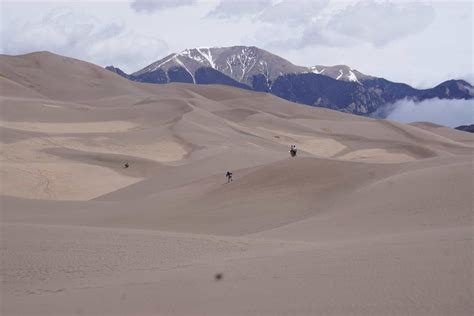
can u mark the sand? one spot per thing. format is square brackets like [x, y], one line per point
[376, 155]
[372, 218]
[318, 146]
[73, 128]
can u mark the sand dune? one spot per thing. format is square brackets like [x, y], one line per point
[70, 128]
[372, 218]
[376, 155]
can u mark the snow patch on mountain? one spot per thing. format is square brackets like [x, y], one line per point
[352, 77]
[315, 70]
[187, 53]
[208, 56]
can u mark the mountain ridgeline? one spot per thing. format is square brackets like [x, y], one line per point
[337, 87]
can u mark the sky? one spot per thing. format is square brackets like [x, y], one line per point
[421, 43]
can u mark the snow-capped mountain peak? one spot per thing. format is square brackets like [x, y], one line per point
[240, 63]
[244, 63]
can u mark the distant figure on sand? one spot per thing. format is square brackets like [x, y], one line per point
[229, 176]
[126, 165]
[293, 150]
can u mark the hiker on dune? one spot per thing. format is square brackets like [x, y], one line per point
[293, 150]
[229, 176]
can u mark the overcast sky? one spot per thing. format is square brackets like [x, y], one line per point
[418, 42]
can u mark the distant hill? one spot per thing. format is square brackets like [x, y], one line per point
[466, 128]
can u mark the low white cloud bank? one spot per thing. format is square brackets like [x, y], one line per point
[450, 113]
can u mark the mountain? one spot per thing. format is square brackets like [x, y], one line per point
[466, 128]
[241, 63]
[340, 72]
[336, 87]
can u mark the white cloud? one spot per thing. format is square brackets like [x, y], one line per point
[290, 12]
[375, 23]
[450, 113]
[381, 22]
[75, 34]
[128, 50]
[150, 6]
[313, 24]
[235, 9]
[293, 12]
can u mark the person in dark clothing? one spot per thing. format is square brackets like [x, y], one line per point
[293, 150]
[229, 176]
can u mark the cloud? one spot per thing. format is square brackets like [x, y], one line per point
[150, 6]
[381, 22]
[235, 9]
[313, 23]
[82, 36]
[293, 12]
[450, 113]
[276, 24]
[129, 51]
[375, 23]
